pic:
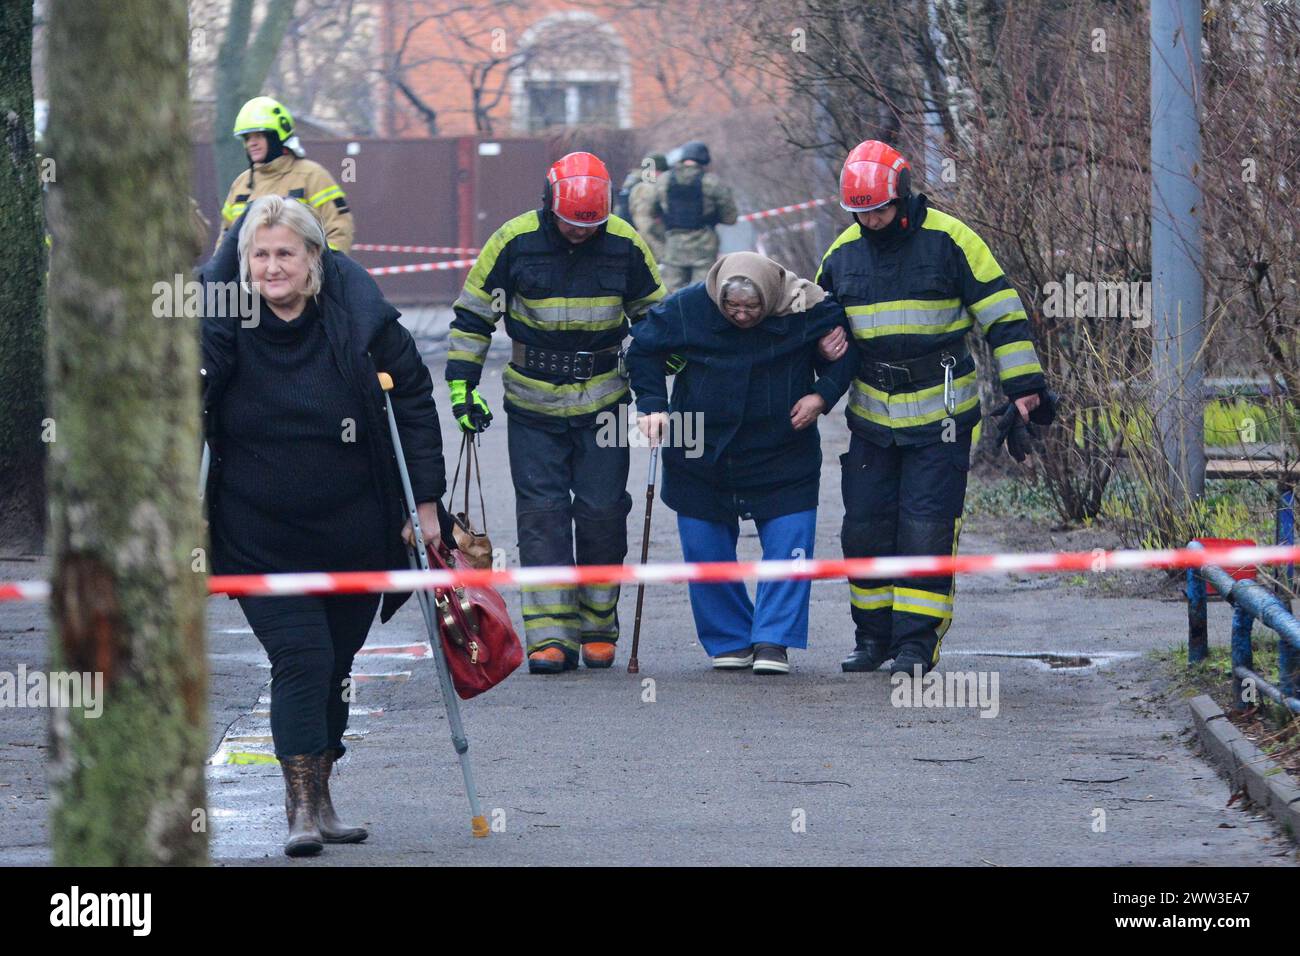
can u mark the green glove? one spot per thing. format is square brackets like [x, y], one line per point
[468, 407]
[675, 364]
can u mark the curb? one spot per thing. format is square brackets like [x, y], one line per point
[1246, 766]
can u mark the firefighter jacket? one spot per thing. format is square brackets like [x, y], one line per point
[558, 295]
[294, 178]
[917, 293]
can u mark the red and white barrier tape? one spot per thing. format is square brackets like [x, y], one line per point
[354, 582]
[469, 250]
[374, 247]
[781, 210]
[422, 267]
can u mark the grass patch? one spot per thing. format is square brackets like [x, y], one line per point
[1010, 498]
[1271, 727]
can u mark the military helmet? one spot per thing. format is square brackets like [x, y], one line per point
[694, 150]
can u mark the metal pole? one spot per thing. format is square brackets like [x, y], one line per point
[1243, 654]
[1286, 535]
[1177, 256]
[1198, 643]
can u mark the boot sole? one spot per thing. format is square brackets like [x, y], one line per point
[733, 663]
[907, 671]
[549, 668]
[853, 667]
[305, 848]
[769, 667]
[597, 665]
[353, 838]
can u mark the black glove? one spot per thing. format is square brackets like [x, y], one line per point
[1012, 431]
[1045, 413]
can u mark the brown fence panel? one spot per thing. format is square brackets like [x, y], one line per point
[430, 192]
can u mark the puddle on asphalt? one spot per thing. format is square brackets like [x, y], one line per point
[1064, 661]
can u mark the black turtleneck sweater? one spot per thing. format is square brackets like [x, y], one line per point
[296, 491]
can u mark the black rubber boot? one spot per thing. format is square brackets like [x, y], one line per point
[301, 793]
[909, 658]
[332, 829]
[869, 654]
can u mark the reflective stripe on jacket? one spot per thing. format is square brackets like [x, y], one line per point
[917, 293]
[300, 179]
[553, 294]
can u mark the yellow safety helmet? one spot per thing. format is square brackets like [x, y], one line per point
[263, 114]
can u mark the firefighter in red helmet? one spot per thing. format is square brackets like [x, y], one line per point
[913, 281]
[567, 278]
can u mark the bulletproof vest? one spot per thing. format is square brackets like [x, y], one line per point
[685, 205]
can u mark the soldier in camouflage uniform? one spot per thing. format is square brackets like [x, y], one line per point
[641, 202]
[691, 202]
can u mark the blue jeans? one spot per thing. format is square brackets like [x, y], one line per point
[725, 618]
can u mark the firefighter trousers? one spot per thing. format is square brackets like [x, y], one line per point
[571, 502]
[903, 500]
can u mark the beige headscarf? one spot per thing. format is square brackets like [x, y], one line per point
[781, 290]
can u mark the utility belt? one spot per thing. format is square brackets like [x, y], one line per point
[896, 375]
[579, 366]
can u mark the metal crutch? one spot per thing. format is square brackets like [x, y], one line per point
[419, 558]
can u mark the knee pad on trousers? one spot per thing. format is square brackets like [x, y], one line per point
[545, 533]
[601, 533]
[926, 536]
[874, 537]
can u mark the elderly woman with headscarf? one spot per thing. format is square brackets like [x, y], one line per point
[748, 335]
[304, 475]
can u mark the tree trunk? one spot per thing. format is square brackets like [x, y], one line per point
[128, 591]
[241, 72]
[22, 308]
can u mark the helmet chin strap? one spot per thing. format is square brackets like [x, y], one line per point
[896, 225]
[274, 150]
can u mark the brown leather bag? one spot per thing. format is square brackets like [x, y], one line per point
[474, 545]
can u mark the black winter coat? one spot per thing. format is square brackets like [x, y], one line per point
[365, 339]
[741, 383]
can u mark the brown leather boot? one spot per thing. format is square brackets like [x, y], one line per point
[332, 828]
[301, 789]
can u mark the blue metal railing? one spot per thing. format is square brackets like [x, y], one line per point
[1250, 601]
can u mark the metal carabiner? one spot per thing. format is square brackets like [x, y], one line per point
[949, 398]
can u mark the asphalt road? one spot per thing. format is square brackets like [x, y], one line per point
[681, 765]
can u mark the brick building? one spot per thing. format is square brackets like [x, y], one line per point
[509, 68]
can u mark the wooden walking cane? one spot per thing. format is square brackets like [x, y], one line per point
[633, 665]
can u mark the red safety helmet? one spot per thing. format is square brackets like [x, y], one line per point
[579, 190]
[874, 175]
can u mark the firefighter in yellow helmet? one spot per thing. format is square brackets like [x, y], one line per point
[276, 167]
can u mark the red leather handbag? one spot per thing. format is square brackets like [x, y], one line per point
[479, 641]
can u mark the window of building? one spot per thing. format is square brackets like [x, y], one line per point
[553, 104]
[576, 73]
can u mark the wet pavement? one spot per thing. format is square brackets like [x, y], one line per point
[1081, 759]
